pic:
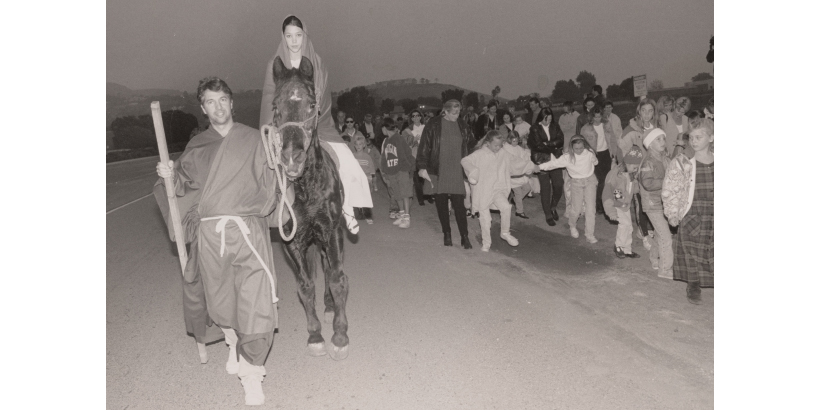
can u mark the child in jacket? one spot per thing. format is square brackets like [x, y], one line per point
[369, 168]
[580, 163]
[650, 177]
[619, 189]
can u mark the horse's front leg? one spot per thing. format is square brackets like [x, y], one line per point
[336, 280]
[305, 276]
[330, 307]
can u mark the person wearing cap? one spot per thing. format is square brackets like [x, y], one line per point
[617, 195]
[446, 139]
[650, 177]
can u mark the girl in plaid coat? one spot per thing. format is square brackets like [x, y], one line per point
[689, 201]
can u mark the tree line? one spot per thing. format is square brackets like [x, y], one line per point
[135, 132]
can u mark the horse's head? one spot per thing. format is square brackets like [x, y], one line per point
[295, 113]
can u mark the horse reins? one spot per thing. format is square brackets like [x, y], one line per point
[272, 141]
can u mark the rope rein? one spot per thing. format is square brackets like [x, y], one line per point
[272, 141]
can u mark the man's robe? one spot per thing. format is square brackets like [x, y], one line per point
[191, 170]
[240, 184]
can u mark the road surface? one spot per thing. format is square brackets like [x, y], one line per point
[556, 323]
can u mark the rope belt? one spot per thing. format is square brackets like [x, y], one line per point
[220, 229]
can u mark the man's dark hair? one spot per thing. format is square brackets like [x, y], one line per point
[492, 103]
[292, 21]
[597, 88]
[588, 99]
[533, 99]
[608, 104]
[568, 103]
[388, 123]
[212, 84]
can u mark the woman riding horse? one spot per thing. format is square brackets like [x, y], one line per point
[295, 45]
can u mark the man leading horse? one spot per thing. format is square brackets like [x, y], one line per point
[229, 190]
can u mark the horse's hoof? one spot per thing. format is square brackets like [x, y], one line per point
[316, 349]
[337, 353]
[329, 316]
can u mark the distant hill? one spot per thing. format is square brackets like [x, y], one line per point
[123, 91]
[401, 89]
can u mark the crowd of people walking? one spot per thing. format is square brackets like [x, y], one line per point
[654, 171]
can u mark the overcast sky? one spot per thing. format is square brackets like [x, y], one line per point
[522, 46]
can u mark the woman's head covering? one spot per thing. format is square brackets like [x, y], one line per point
[307, 51]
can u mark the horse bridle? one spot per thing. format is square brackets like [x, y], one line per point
[273, 138]
[272, 141]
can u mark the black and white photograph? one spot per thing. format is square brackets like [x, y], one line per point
[430, 204]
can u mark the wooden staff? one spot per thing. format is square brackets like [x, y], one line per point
[179, 235]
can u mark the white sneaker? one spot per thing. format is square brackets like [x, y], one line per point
[510, 239]
[254, 396]
[592, 239]
[573, 232]
[405, 221]
[369, 221]
[394, 215]
[485, 248]
[398, 219]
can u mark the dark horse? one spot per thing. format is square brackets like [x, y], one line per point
[317, 207]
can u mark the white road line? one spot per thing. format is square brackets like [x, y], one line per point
[123, 206]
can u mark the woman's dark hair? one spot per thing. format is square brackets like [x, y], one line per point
[533, 99]
[568, 104]
[492, 103]
[292, 21]
[593, 111]
[597, 88]
[588, 99]
[547, 111]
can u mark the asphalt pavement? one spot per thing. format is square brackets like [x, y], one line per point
[556, 323]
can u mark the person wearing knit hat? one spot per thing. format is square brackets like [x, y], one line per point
[652, 136]
[650, 175]
[634, 156]
[617, 196]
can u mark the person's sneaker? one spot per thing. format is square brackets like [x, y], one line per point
[665, 274]
[655, 265]
[632, 255]
[405, 221]
[254, 396]
[592, 239]
[398, 220]
[619, 252]
[510, 239]
[573, 232]
[485, 247]
[394, 215]
[369, 221]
